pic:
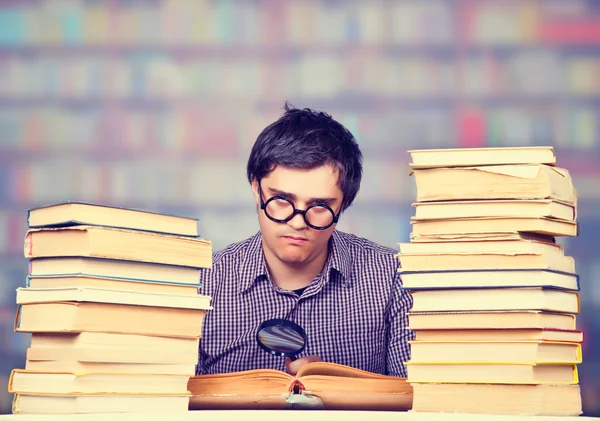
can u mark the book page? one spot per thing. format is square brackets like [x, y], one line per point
[261, 381]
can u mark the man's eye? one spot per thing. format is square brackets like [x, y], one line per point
[282, 201]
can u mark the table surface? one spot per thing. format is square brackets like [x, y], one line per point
[289, 415]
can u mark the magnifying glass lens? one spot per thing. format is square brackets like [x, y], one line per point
[281, 337]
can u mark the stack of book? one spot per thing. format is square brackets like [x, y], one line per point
[494, 296]
[112, 304]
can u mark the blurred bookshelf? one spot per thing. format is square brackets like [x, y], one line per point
[155, 104]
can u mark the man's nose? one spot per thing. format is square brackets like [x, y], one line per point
[297, 222]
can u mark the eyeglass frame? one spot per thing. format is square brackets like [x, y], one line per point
[263, 206]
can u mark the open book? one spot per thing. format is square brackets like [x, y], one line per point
[316, 385]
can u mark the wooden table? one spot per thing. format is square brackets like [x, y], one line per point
[288, 415]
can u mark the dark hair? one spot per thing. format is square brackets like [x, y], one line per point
[306, 139]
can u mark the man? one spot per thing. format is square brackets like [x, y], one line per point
[344, 291]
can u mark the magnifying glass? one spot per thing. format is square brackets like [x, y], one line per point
[281, 337]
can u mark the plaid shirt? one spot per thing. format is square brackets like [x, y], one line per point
[354, 312]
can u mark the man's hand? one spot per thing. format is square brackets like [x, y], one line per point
[292, 367]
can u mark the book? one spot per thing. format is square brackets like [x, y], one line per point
[527, 182]
[99, 404]
[489, 278]
[85, 361]
[84, 281]
[426, 262]
[461, 157]
[80, 213]
[120, 244]
[515, 373]
[494, 352]
[454, 239]
[112, 296]
[495, 208]
[68, 341]
[109, 268]
[321, 384]
[544, 299]
[76, 366]
[77, 317]
[550, 400]
[499, 334]
[520, 243]
[42, 382]
[111, 360]
[484, 319]
[105, 354]
[544, 226]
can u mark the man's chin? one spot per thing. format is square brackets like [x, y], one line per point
[292, 259]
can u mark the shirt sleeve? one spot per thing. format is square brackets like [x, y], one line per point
[398, 333]
[204, 289]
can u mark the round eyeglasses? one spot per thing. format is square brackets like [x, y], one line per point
[280, 209]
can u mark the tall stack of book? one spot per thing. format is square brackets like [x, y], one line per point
[112, 303]
[494, 296]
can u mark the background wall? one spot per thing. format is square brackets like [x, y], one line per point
[155, 105]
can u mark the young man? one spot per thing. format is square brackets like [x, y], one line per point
[344, 291]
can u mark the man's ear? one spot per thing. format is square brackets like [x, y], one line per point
[255, 192]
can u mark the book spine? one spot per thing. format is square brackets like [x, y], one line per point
[28, 248]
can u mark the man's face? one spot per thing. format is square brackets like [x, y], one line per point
[293, 242]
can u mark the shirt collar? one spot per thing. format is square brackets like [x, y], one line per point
[339, 257]
[253, 264]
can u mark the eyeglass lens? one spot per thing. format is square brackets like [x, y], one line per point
[282, 209]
